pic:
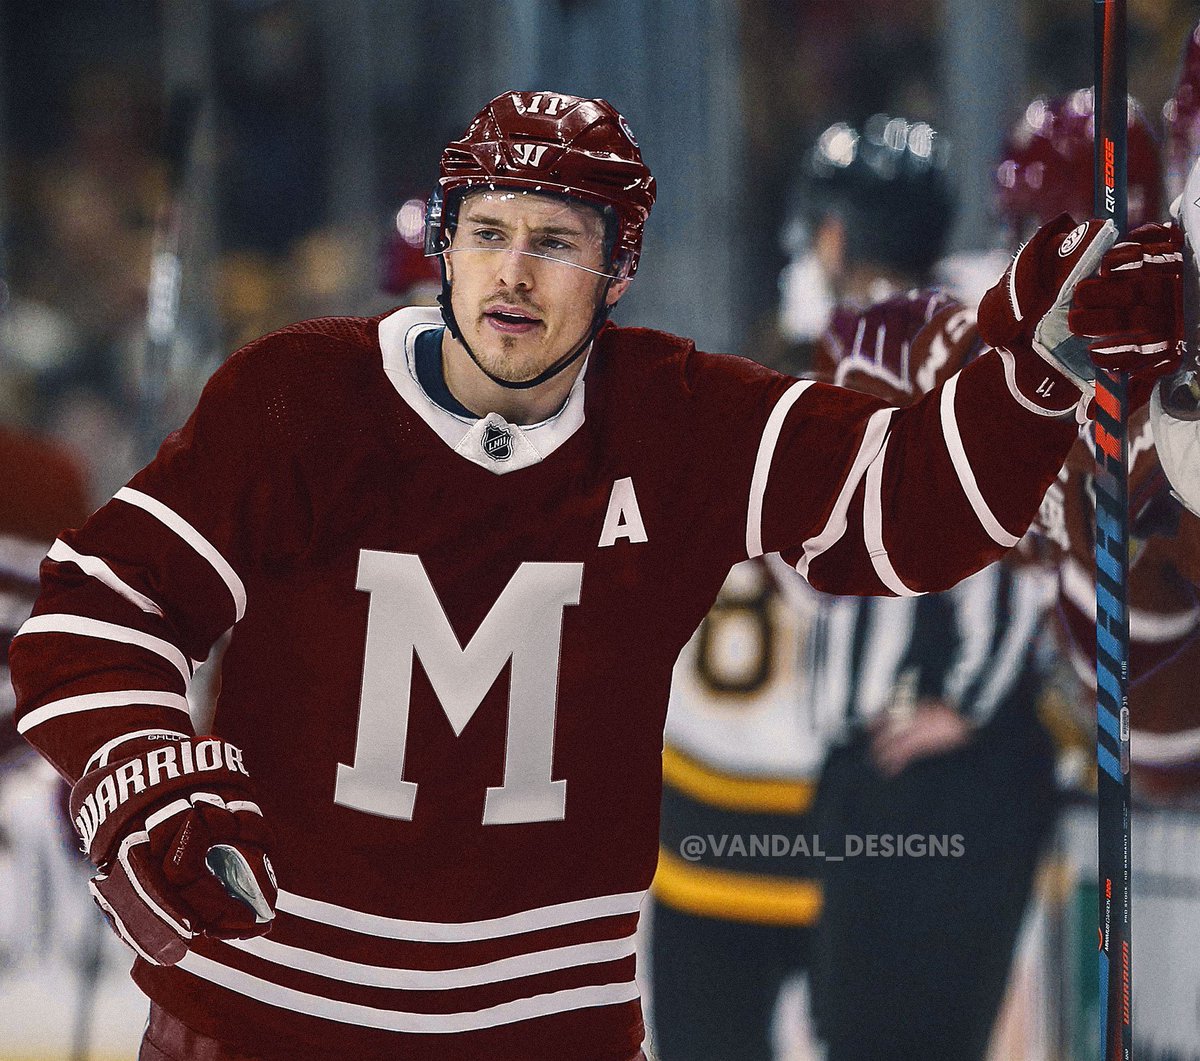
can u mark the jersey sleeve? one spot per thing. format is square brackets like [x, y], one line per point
[132, 601]
[862, 497]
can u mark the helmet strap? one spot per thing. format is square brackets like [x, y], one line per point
[603, 309]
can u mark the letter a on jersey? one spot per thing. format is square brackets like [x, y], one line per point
[624, 518]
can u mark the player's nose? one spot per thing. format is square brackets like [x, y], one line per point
[514, 268]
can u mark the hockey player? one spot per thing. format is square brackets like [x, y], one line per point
[460, 554]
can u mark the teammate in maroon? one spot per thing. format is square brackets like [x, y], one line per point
[460, 553]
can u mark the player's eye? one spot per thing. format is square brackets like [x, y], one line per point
[487, 235]
[550, 243]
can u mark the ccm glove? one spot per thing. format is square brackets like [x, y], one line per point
[1029, 309]
[1126, 317]
[180, 844]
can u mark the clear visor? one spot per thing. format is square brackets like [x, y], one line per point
[548, 229]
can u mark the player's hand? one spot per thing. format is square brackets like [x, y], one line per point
[1134, 307]
[900, 738]
[160, 824]
[1080, 300]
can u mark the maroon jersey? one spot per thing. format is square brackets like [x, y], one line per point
[452, 648]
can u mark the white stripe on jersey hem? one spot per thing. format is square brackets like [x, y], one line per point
[762, 465]
[966, 474]
[1145, 626]
[874, 436]
[516, 967]
[397, 1021]
[459, 932]
[175, 522]
[873, 529]
[95, 701]
[1164, 749]
[101, 754]
[61, 553]
[84, 627]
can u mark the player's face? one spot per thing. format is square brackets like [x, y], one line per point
[521, 287]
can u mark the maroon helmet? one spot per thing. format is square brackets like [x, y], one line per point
[1047, 164]
[554, 143]
[1181, 117]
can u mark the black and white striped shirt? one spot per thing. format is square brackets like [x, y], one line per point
[968, 646]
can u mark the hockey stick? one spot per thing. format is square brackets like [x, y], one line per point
[1112, 573]
[162, 304]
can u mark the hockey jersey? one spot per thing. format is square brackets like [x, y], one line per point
[452, 649]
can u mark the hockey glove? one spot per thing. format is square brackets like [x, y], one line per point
[180, 844]
[1125, 317]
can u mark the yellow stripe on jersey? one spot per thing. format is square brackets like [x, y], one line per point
[731, 792]
[734, 896]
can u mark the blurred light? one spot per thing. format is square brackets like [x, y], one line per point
[895, 134]
[838, 144]
[410, 222]
[920, 140]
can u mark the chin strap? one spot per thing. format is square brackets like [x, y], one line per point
[598, 319]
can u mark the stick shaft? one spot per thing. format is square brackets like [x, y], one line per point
[1112, 574]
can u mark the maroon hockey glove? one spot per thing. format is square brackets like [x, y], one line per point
[1127, 316]
[1135, 303]
[1026, 313]
[176, 833]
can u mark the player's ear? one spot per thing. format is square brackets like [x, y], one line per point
[615, 291]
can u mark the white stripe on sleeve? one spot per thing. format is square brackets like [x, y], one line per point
[874, 436]
[873, 529]
[84, 627]
[61, 553]
[95, 701]
[966, 475]
[175, 522]
[762, 464]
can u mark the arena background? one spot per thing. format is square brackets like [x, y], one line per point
[319, 120]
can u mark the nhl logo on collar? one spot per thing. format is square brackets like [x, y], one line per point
[497, 442]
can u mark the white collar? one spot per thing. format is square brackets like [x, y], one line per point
[491, 442]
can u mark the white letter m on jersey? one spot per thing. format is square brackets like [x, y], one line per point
[406, 619]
